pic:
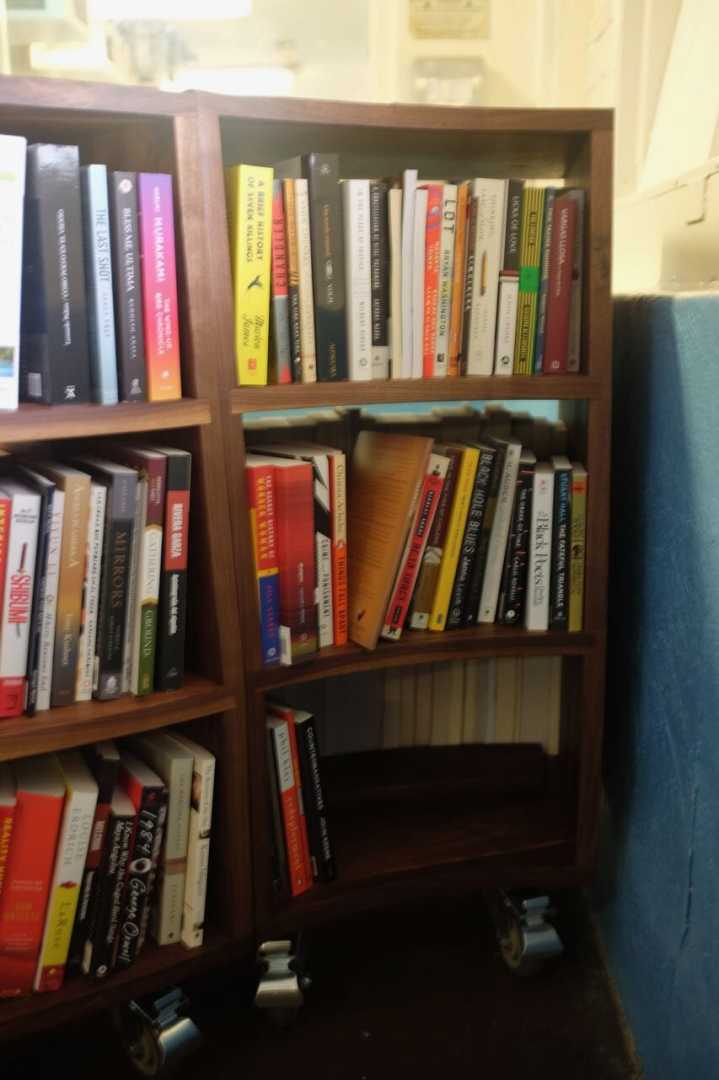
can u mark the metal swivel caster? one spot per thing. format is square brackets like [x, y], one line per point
[526, 939]
[156, 1034]
[284, 980]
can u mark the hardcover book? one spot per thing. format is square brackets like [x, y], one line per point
[472, 534]
[470, 269]
[491, 199]
[280, 354]
[559, 295]
[514, 577]
[98, 958]
[427, 581]
[432, 247]
[379, 256]
[159, 286]
[356, 207]
[288, 782]
[13, 150]
[8, 802]
[470, 611]
[455, 534]
[574, 360]
[263, 525]
[308, 753]
[91, 594]
[17, 593]
[550, 196]
[536, 615]
[508, 294]
[459, 266]
[500, 532]
[293, 278]
[530, 260]
[308, 340]
[446, 268]
[126, 279]
[98, 275]
[172, 611]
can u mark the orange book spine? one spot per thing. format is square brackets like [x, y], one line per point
[460, 264]
[433, 240]
[282, 731]
[7, 820]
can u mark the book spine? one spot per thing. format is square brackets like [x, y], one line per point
[91, 594]
[379, 261]
[470, 541]
[469, 275]
[138, 529]
[304, 836]
[280, 870]
[320, 847]
[173, 858]
[117, 550]
[69, 598]
[491, 198]
[540, 551]
[306, 292]
[459, 266]
[141, 867]
[446, 266]
[541, 330]
[263, 526]
[338, 500]
[532, 213]
[293, 278]
[409, 187]
[280, 336]
[579, 540]
[455, 533]
[394, 199]
[5, 519]
[356, 206]
[560, 286]
[126, 275]
[54, 365]
[323, 549]
[561, 536]
[287, 783]
[198, 852]
[418, 280]
[38, 596]
[7, 822]
[574, 359]
[49, 604]
[476, 580]
[144, 635]
[427, 580]
[98, 274]
[99, 954]
[328, 264]
[17, 601]
[13, 150]
[296, 560]
[170, 652]
[514, 580]
[89, 888]
[159, 286]
[500, 533]
[509, 281]
[432, 246]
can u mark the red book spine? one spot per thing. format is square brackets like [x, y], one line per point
[296, 554]
[7, 820]
[556, 344]
[304, 835]
[288, 787]
[263, 523]
[433, 239]
[159, 286]
[5, 509]
[338, 496]
[279, 287]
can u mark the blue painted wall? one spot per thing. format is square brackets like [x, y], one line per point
[658, 895]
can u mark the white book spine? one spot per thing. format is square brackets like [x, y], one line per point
[356, 207]
[93, 566]
[540, 550]
[506, 324]
[574, 353]
[491, 197]
[306, 295]
[49, 609]
[323, 554]
[446, 268]
[172, 881]
[134, 581]
[409, 187]
[198, 851]
[17, 599]
[394, 335]
[13, 151]
[499, 534]
[418, 259]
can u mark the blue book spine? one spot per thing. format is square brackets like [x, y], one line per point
[98, 271]
[269, 601]
[550, 196]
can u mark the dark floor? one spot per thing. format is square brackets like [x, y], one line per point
[415, 994]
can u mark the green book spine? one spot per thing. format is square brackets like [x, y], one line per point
[529, 274]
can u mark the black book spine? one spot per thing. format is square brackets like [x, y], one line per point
[561, 526]
[468, 286]
[141, 868]
[170, 656]
[38, 599]
[328, 265]
[471, 603]
[513, 229]
[514, 577]
[117, 548]
[379, 271]
[470, 541]
[54, 360]
[323, 863]
[100, 945]
[132, 380]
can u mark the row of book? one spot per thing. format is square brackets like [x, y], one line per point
[89, 304]
[430, 536]
[368, 279]
[93, 577]
[98, 848]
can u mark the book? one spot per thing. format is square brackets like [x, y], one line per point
[432, 246]
[81, 794]
[320, 846]
[103, 759]
[87, 639]
[415, 545]
[280, 354]
[8, 802]
[470, 612]
[574, 359]
[293, 278]
[559, 292]
[550, 195]
[529, 265]
[445, 275]
[385, 478]
[536, 615]
[158, 274]
[174, 764]
[148, 795]
[250, 198]
[379, 277]
[138, 526]
[40, 700]
[356, 208]
[421, 606]
[561, 543]
[470, 269]
[459, 266]
[510, 610]
[45, 489]
[508, 293]
[578, 547]
[261, 503]
[418, 280]
[409, 187]
[172, 610]
[338, 527]
[98, 277]
[500, 532]
[40, 794]
[394, 208]
[17, 594]
[454, 537]
[288, 783]
[328, 265]
[127, 286]
[54, 365]
[98, 957]
[471, 537]
[280, 866]
[308, 341]
[491, 199]
[13, 151]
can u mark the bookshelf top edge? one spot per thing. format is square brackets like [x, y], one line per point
[69, 95]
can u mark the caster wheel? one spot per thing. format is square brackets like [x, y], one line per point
[511, 945]
[526, 939]
[284, 980]
[156, 1037]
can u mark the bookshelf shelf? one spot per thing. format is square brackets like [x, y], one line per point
[33, 423]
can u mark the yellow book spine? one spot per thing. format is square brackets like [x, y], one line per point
[251, 188]
[453, 542]
[577, 557]
[529, 273]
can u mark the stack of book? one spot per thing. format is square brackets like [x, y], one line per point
[98, 848]
[93, 577]
[89, 306]
[369, 279]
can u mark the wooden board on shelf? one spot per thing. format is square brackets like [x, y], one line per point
[32, 423]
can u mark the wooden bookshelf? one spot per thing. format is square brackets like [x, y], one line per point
[33, 423]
